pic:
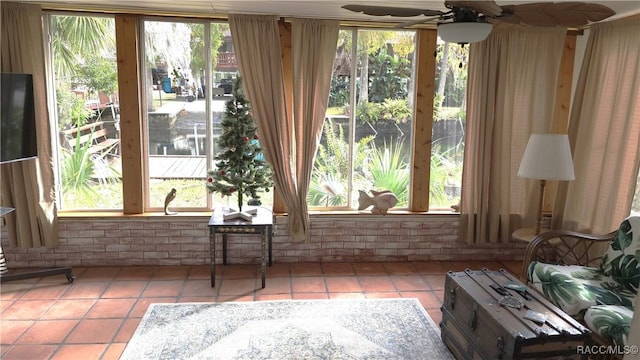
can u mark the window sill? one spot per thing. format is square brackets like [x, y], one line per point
[121, 215]
[312, 213]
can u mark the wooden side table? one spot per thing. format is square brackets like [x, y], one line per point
[260, 224]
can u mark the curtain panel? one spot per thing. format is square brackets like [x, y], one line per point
[604, 130]
[510, 95]
[290, 140]
[313, 45]
[28, 186]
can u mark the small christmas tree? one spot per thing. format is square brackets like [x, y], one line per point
[240, 168]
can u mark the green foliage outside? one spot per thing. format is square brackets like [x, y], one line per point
[389, 170]
[384, 96]
[81, 178]
[385, 99]
[84, 57]
[99, 74]
[339, 94]
[378, 168]
[388, 74]
[332, 167]
[397, 111]
[71, 109]
[190, 192]
[76, 38]
[82, 47]
[451, 74]
[197, 43]
[374, 168]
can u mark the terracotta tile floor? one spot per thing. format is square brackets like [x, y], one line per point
[95, 316]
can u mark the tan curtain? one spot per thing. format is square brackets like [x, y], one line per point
[289, 140]
[511, 92]
[313, 46]
[28, 186]
[604, 130]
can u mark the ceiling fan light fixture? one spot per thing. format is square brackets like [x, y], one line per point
[464, 32]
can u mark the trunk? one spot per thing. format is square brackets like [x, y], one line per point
[444, 70]
[475, 326]
[364, 78]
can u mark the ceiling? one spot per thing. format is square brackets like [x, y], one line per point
[326, 9]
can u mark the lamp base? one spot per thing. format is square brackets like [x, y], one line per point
[539, 217]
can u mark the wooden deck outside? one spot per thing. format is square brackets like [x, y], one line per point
[177, 167]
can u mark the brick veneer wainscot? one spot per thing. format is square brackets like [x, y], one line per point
[184, 240]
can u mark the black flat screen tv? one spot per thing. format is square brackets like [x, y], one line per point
[17, 118]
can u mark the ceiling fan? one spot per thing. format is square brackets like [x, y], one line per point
[471, 21]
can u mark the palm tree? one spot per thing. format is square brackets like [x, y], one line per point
[75, 38]
[389, 170]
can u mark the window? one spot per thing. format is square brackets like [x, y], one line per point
[189, 77]
[449, 120]
[366, 137]
[367, 134]
[86, 119]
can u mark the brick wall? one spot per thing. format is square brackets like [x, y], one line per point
[184, 240]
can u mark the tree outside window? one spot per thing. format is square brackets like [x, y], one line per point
[367, 130]
[367, 134]
[182, 135]
[85, 73]
[449, 122]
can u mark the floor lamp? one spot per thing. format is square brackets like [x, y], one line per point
[546, 157]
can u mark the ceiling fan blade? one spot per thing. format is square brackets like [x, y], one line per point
[407, 24]
[391, 11]
[568, 14]
[487, 7]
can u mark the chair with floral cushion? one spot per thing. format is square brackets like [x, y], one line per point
[599, 291]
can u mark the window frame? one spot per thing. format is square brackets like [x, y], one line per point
[135, 170]
[50, 76]
[354, 80]
[208, 72]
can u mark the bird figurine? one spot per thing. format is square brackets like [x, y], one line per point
[381, 201]
[170, 196]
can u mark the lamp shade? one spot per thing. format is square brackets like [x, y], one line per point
[464, 32]
[547, 157]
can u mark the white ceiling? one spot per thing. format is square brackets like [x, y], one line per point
[326, 9]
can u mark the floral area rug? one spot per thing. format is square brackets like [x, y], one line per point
[291, 329]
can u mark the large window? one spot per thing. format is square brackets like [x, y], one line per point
[189, 70]
[367, 135]
[366, 138]
[87, 118]
[449, 120]
[175, 69]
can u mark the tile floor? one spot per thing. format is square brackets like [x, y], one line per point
[95, 316]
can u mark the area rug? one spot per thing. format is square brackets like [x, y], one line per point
[288, 329]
